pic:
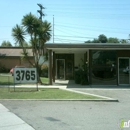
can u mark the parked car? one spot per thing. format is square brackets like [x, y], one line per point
[12, 70]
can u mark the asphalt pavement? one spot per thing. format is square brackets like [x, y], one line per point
[68, 115]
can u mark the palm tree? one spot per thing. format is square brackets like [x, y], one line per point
[44, 34]
[28, 22]
[40, 33]
[19, 33]
[19, 36]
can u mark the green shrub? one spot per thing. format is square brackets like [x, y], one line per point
[81, 75]
[3, 69]
[77, 77]
[44, 71]
[84, 78]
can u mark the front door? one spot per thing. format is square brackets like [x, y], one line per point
[123, 68]
[60, 68]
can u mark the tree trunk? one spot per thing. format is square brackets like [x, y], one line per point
[38, 73]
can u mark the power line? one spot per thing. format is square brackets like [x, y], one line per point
[70, 40]
[69, 32]
[90, 16]
[81, 26]
[75, 36]
[89, 29]
[105, 13]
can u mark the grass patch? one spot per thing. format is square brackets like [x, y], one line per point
[9, 80]
[45, 80]
[31, 93]
[6, 80]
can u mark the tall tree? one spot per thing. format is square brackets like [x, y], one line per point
[113, 40]
[102, 38]
[39, 32]
[19, 33]
[124, 41]
[6, 44]
[95, 40]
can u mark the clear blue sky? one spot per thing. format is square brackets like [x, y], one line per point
[75, 20]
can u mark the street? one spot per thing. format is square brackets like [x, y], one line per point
[77, 115]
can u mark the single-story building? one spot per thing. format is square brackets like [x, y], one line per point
[11, 57]
[108, 63]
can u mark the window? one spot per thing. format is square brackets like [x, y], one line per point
[103, 67]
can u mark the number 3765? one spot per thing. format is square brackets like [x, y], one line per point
[25, 75]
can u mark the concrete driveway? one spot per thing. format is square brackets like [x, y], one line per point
[123, 95]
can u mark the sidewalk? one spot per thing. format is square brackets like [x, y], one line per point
[9, 121]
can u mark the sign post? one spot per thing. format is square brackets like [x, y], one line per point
[25, 75]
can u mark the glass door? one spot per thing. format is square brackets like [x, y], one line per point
[123, 68]
[60, 69]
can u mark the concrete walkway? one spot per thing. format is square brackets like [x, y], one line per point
[9, 121]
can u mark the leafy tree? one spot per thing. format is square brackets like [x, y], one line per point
[39, 32]
[113, 40]
[6, 44]
[123, 41]
[89, 41]
[102, 38]
[95, 40]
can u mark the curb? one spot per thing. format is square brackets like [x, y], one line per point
[93, 100]
[104, 98]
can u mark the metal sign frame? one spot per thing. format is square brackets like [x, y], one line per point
[25, 75]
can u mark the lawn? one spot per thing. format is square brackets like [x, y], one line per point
[31, 93]
[6, 79]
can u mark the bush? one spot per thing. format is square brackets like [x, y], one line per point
[84, 78]
[3, 69]
[44, 71]
[77, 77]
[81, 77]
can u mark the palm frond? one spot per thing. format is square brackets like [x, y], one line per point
[18, 34]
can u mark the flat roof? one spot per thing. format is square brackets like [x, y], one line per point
[69, 48]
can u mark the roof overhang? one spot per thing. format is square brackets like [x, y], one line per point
[81, 48]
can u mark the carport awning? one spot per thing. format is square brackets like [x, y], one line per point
[71, 48]
[68, 50]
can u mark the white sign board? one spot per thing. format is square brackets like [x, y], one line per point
[25, 75]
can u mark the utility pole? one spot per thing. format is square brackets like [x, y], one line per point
[41, 47]
[129, 38]
[40, 11]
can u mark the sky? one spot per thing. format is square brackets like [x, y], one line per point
[75, 21]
